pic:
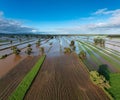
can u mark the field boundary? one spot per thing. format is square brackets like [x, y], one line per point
[23, 87]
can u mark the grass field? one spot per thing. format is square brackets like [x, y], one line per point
[115, 86]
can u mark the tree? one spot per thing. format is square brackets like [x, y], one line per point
[72, 43]
[20, 40]
[38, 43]
[29, 45]
[82, 54]
[67, 50]
[16, 51]
[100, 41]
[103, 70]
[11, 42]
[13, 47]
[29, 50]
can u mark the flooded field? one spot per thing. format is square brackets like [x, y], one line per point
[62, 74]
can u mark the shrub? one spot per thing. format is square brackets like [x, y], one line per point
[99, 79]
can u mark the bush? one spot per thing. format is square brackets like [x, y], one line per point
[99, 79]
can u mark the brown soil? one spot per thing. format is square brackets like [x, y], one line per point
[10, 81]
[63, 77]
[9, 63]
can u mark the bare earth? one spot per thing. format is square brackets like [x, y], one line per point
[10, 81]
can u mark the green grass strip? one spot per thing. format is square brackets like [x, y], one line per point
[115, 86]
[25, 84]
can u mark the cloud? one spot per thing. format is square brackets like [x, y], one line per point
[102, 21]
[97, 24]
[13, 26]
[100, 11]
[105, 11]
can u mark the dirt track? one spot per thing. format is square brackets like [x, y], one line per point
[63, 77]
[10, 81]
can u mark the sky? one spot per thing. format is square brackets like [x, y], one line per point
[60, 16]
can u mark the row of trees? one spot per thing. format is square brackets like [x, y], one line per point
[82, 54]
[28, 51]
[72, 47]
[99, 41]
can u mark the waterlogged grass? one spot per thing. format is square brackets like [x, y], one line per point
[25, 84]
[115, 86]
[106, 57]
[3, 41]
[93, 56]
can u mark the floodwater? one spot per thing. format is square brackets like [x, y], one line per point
[8, 63]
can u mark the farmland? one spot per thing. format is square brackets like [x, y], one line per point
[64, 73]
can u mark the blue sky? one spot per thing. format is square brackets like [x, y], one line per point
[60, 16]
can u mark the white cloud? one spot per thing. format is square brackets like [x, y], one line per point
[98, 24]
[100, 11]
[13, 26]
[105, 11]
